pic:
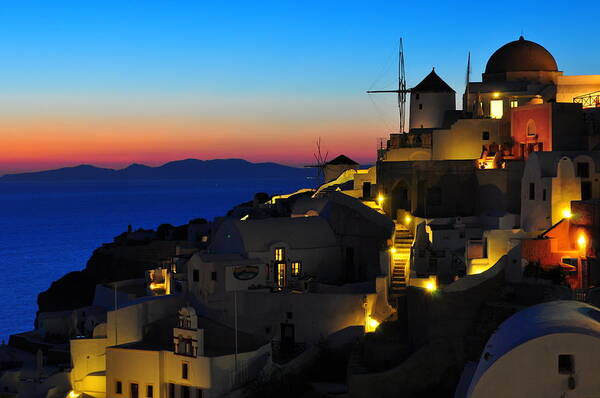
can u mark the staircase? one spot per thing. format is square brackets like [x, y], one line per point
[403, 240]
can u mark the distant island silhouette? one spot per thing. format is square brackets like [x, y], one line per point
[179, 169]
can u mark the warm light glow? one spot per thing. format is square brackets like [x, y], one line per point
[496, 109]
[407, 219]
[380, 199]
[496, 94]
[582, 241]
[371, 325]
[73, 394]
[245, 217]
[156, 286]
[430, 285]
[566, 213]
[393, 250]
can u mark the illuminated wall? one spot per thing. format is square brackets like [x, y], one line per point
[573, 86]
[532, 124]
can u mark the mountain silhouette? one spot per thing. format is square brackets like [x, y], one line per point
[179, 169]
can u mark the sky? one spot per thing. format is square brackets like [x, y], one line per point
[111, 83]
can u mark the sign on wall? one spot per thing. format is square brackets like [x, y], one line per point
[245, 272]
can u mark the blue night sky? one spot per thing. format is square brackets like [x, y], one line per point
[259, 74]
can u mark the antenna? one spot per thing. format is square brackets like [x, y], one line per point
[467, 82]
[401, 91]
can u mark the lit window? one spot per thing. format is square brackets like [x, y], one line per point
[279, 254]
[514, 103]
[296, 268]
[184, 370]
[496, 109]
[280, 275]
[205, 238]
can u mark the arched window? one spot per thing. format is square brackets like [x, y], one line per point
[531, 127]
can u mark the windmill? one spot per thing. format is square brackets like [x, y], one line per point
[321, 161]
[401, 91]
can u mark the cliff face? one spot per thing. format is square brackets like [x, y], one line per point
[109, 263]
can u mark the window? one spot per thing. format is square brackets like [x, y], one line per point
[566, 364]
[171, 390]
[198, 393]
[417, 96]
[289, 315]
[531, 191]
[514, 103]
[531, 130]
[296, 268]
[280, 275]
[134, 390]
[149, 391]
[586, 190]
[184, 370]
[544, 195]
[279, 254]
[496, 109]
[213, 276]
[583, 169]
[119, 387]
[485, 135]
[196, 275]
[204, 238]
[420, 106]
[404, 194]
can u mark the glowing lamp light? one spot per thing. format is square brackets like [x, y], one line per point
[407, 219]
[73, 394]
[372, 324]
[430, 286]
[496, 94]
[566, 213]
[581, 241]
[393, 250]
[380, 199]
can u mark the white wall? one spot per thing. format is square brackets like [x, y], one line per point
[434, 106]
[531, 369]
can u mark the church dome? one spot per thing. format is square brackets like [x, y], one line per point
[521, 56]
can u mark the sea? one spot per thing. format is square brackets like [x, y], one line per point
[48, 229]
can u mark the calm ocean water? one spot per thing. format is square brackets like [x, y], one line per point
[49, 229]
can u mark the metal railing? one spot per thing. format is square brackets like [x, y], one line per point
[590, 100]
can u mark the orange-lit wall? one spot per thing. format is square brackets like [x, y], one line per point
[541, 114]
